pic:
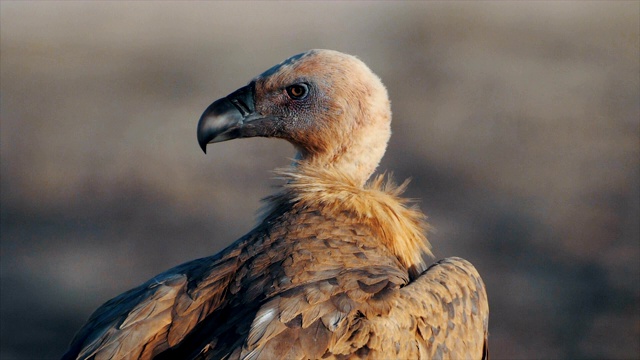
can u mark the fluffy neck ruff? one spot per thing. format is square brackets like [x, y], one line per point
[401, 228]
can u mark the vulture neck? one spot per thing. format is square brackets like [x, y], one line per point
[358, 159]
[377, 204]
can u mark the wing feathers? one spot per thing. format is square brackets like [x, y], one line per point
[315, 339]
[158, 315]
[148, 318]
[453, 318]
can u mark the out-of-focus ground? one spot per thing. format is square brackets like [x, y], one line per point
[518, 122]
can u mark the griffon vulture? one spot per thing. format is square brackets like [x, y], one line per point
[336, 269]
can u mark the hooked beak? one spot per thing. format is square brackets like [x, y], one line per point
[225, 118]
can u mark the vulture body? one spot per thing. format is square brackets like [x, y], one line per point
[337, 267]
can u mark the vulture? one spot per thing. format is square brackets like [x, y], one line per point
[337, 266]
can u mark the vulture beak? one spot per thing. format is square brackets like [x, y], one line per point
[225, 118]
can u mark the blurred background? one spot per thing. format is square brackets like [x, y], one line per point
[518, 123]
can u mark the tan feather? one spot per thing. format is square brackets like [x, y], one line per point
[378, 204]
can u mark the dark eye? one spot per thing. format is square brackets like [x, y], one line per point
[298, 91]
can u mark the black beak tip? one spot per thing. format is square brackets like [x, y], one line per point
[202, 138]
[202, 142]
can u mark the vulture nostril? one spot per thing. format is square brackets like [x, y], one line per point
[242, 99]
[241, 106]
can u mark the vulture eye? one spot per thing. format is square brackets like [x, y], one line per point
[298, 91]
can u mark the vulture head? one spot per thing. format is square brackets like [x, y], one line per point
[329, 105]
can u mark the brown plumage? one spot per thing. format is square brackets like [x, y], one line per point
[337, 267]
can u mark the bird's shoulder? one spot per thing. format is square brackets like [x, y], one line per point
[445, 310]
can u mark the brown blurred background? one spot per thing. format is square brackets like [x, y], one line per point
[518, 122]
